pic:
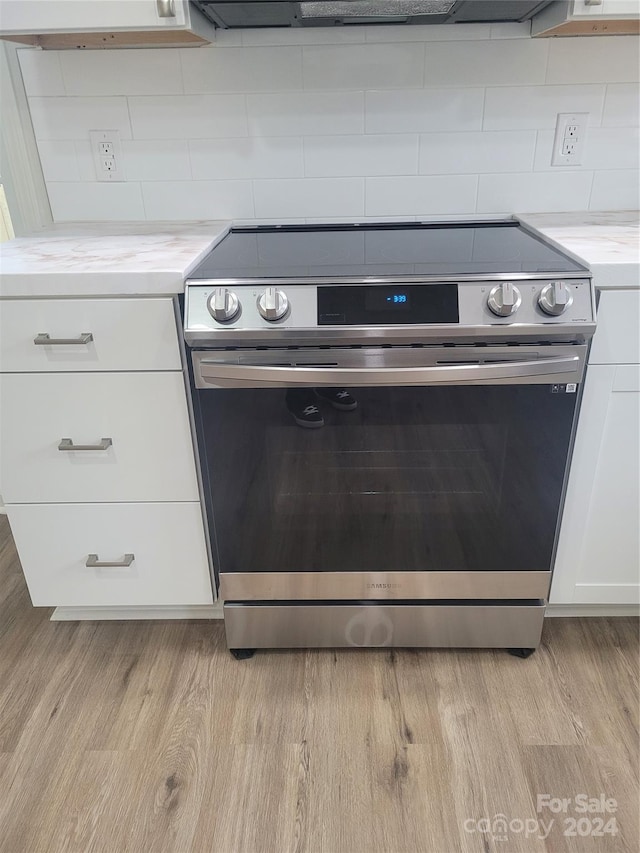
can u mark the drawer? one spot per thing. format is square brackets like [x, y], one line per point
[617, 338]
[148, 455]
[169, 564]
[126, 334]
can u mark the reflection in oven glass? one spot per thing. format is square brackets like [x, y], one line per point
[414, 479]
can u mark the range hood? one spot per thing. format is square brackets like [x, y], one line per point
[239, 14]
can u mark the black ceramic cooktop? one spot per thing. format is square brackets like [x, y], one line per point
[381, 249]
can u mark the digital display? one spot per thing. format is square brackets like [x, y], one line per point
[386, 299]
[392, 304]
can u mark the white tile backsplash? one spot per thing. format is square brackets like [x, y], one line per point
[156, 159]
[305, 113]
[622, 105]
[619, 189]
[188, 116]
[605, 148]
[198, 199]
[486, 63]
[477, 152]
[537, 107]
[96, 202]
[41, 72]
[426, 32]
[263, 69]
[424, 110]
[310, 197]
[302, 36]
[614, 60]
[93, 72]
[73, 118]
[421, 196]
[366, 66]
[249, 157]
[339, 123]
[366, 155]
[540, 191]
[59, 160]
[511, 31]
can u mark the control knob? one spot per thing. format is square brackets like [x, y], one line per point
[223, 304]
[273, 304]
[555, 298]
[504, 299]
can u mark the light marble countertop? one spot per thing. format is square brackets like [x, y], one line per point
[609, 243]
[106, 259]
[128, 259]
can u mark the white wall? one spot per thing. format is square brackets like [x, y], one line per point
[347, 123]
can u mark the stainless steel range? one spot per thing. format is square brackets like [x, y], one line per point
[384, 415]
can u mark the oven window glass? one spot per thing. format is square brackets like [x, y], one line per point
[413, 479]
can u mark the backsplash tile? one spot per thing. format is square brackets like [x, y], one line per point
[367, 66]
[421, 196]
[188, 116]
[156, 160]
[71, 202]
[387, 154]
[263, 69]
[309, 197]
[618, 188]
[622, 105]
[339, 123]
[486, 63]
[614, 60]
[93, 72]
[73, 118]
[251, 157]
[543, 192]
[536, 107]
[305, 114]
[424, 110]
[477, 152]
[194, 199]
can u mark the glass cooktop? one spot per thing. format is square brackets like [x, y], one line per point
[382, 249]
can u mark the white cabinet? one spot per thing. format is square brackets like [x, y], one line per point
[102, 334]
[96, 454]
[588, 18]
[137, 422]
[158, 551]
[598, 557]
[103, 23]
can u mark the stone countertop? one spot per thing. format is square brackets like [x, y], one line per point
[609, 243]
[105, 259]
[144, 259]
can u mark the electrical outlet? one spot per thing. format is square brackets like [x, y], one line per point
[569, 139]
[107, 155]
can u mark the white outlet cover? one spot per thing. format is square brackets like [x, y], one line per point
[570, 127]
[97, 139]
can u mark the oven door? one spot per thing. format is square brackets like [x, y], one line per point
[445, 482]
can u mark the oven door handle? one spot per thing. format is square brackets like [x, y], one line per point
[217, 374]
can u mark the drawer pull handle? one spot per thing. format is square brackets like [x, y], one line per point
[166, 8]
[44, 340]
[94, 563]
[67, 444]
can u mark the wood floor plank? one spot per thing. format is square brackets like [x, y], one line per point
[150, 738]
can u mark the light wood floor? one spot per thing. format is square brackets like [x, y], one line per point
[150, 737]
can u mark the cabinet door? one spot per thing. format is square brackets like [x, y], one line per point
[158, 552]
[43, 16]
[598, 559]
[142, 415]
[103, 334]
